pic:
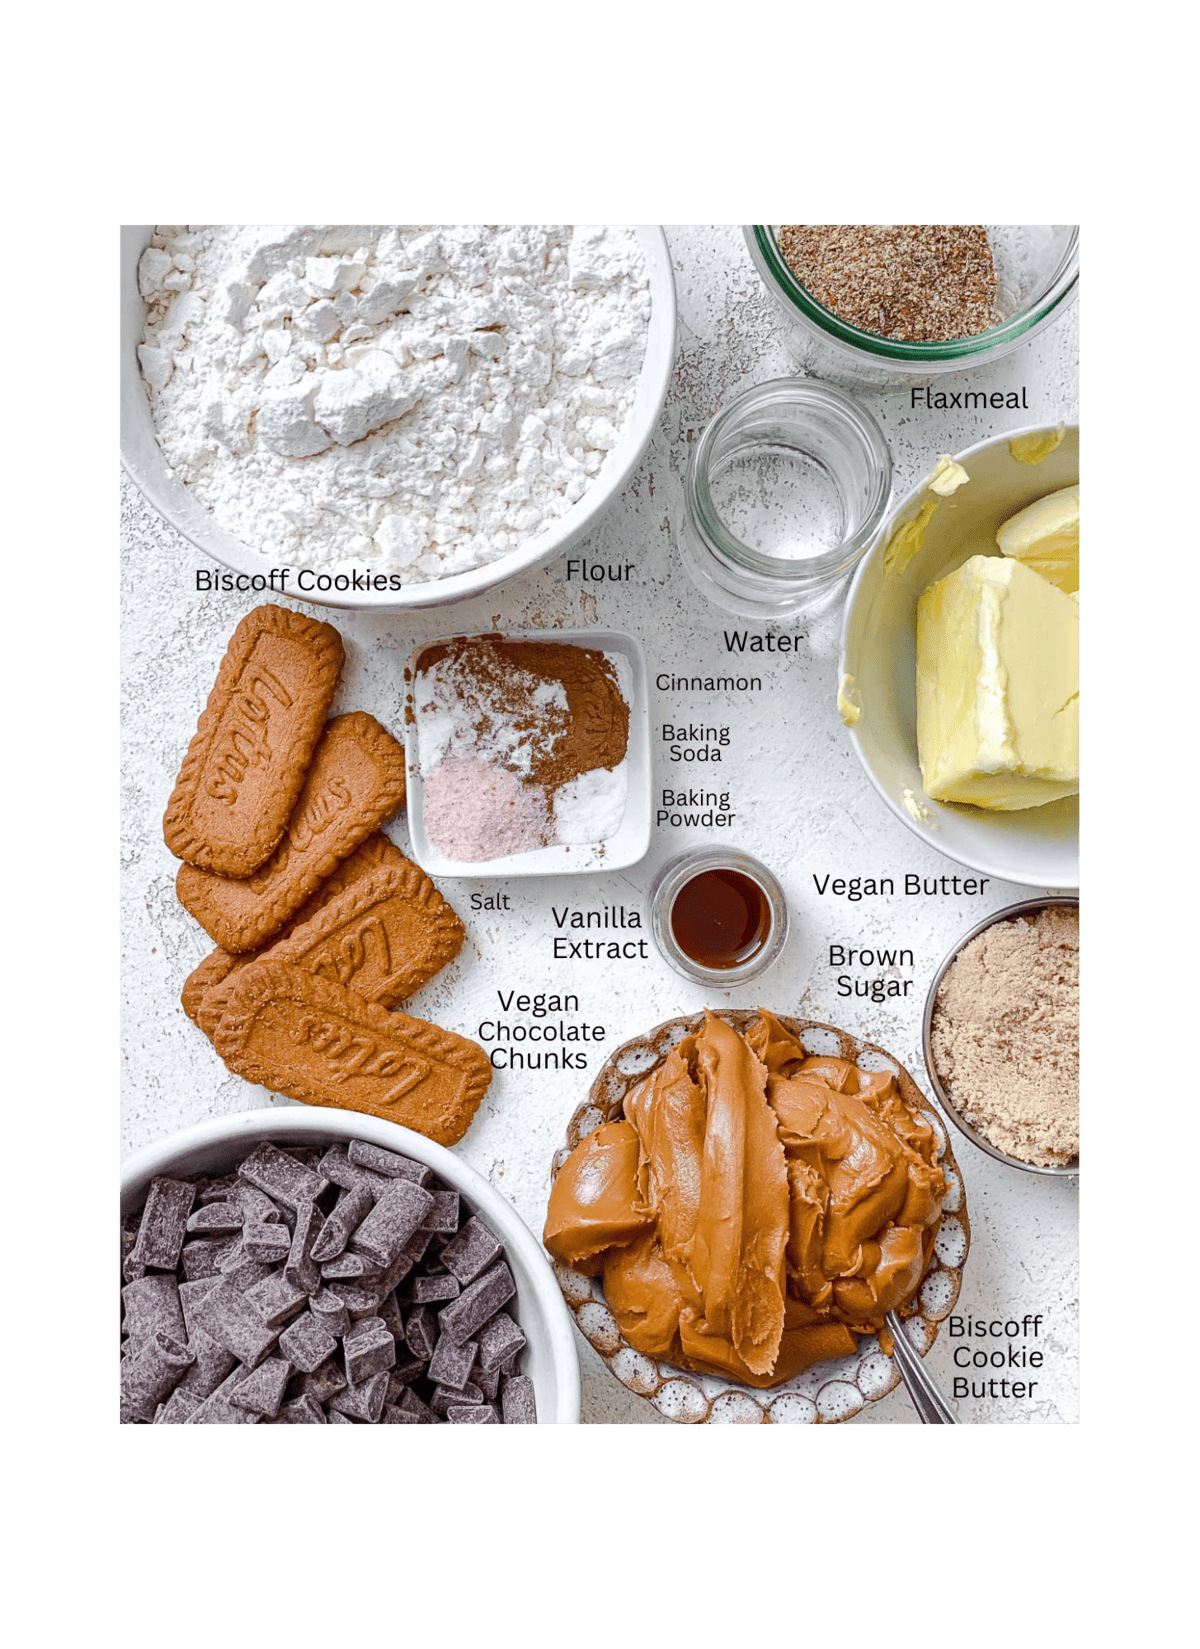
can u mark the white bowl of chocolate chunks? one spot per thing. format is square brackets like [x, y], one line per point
[313, 1266]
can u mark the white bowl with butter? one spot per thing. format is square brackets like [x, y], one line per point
[932, 533]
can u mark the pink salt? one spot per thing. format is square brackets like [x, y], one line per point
[476, 811]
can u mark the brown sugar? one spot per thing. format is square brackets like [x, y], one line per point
[1005, 1035]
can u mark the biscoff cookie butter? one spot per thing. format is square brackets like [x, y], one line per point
[1005, 1035]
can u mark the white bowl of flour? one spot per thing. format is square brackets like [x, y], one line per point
[389, 417]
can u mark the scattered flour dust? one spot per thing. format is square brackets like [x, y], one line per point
[407, 400]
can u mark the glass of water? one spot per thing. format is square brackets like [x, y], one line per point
[784, 493]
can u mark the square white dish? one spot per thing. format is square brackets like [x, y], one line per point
[631, 841]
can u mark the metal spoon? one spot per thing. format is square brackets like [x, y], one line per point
[928, 1401]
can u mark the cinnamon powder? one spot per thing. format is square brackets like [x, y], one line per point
[499, 680]
[506, 729]
[1005, 1035]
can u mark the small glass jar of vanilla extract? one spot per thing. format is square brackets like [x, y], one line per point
[718, 916]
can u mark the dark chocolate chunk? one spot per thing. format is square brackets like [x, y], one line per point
[432, 1290]
[219, 1410]
[420, 1333]
[301, 1269]
[152, 1306]
[346, 1268]
[202, 1259]
[150, 1373]
[301, 1411]
[216, 1219]
[421, 1411]
[480, 1300]
[324, 1382]
[379, 1161]
[269, 1243]
[352, 1209]
[262, 1391]
[368, 1349]
[330, 1312]
[517, 1401]
[336, 1167]
[162, 1228]
[487, 1379]
[176, 1408]
[232, 1322]
[390, 1316]
[363, 1402]
[362, 1299]
[395, 1416]
[280, 1176]
[214, 1363]
[499, 1340]
[444, 1396]
[306, 1343]
[392, 1221]
[450, 1364]
[470, 1253]
[190, 1295]
[275, 1298]
[442, 1218]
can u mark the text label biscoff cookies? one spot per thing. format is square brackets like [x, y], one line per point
[246, 764]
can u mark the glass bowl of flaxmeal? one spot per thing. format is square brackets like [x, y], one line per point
[879, 305]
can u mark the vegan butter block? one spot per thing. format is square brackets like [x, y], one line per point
[246, 763]
[998, 687]
[356, 781]
[1045, 536]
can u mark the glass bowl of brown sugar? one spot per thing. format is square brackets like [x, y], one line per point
[883, 306]
[1001, 1035]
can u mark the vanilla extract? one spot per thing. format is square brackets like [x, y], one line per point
[720, 918]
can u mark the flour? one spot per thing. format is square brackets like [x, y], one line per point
[412, 400]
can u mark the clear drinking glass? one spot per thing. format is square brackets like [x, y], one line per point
[784, 493]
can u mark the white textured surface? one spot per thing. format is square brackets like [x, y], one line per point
[802, 801]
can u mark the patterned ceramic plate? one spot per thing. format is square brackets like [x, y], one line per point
[830, 1391]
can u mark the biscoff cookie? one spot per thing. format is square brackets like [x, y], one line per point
[216, 967]
[245, 766]
[376, 853]
[355, 782]
[316, 1041]
[384, 937]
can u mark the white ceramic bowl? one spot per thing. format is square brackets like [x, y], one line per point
[631, 842]
[828, 1392]
[1038, 847]
[144, 461]
[214, 1147]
